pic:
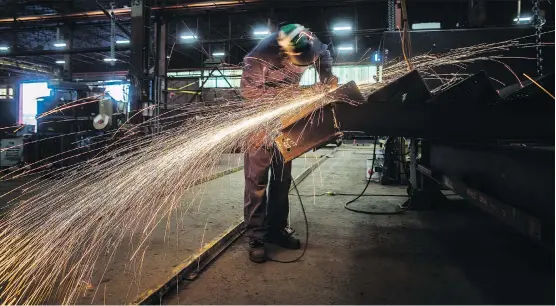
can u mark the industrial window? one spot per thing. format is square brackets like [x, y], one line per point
[120, 92]
[309, 77]
[6, 93]
[30, 92]
[219, 78]
[361, 74]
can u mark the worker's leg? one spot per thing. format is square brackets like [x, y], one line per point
[278, 200]
[256, 165]
[278, 203]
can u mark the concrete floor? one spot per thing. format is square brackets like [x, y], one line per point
[208, 211]
[455, 254]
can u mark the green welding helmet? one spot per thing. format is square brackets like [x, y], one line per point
[299, 44]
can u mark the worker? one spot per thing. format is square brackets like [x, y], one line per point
[279, 59]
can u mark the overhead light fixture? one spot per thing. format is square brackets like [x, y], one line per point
[4, 48]
[112, 81]
[60, 62]
[218, 54]
[59, 44]
[341, 28]
[188, 37]
[121, 42]
[261, 32]
[345, 48]
[522, 19]
[109, 59]
[167, 56]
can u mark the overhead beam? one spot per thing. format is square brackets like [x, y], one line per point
[201, 5]
[63, 52]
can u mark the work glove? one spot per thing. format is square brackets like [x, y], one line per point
[331, 81]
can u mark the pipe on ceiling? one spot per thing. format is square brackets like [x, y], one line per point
[22, 66]
[126, 11]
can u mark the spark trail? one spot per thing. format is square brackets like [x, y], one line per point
[51, 242]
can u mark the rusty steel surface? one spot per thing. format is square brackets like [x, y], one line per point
[311, 128]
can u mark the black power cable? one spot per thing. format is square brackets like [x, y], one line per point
[346, 206]
[368, 212]
[306, 231]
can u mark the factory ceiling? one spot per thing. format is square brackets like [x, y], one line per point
[32, 27]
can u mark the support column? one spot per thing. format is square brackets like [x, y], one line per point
[161, 65]
[477, 13]
[391, 15]
[356, 27]
[139, 70]
[398, 15]
[67, 73]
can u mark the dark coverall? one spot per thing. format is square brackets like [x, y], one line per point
[265, 68]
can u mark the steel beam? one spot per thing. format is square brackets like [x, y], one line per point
[161, 63]
[199, 6]
[67, 68]
[62, 52]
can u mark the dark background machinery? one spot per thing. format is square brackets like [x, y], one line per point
[490, 142]
[66, 128]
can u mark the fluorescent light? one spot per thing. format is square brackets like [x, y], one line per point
[345, 48]
[188, 37]
[59, 44]
[342, 28]
[218, 54]
[261, 32]
[167, 56]
[4, 48]
[108, 59]
[122, 41]
[520, 19]
[425, 26]
[110, 81]
[60, 62]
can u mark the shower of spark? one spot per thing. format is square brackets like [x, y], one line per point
[50, 243]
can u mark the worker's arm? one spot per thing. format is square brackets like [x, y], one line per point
[324, 67]
[253, 79]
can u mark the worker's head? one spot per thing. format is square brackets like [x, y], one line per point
[299, 44]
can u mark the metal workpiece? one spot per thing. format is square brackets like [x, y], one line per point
[311, 128]
[495, 148]
[512, 183]
[470, 110]
[308, 133]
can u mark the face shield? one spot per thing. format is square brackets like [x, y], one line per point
[300, 45]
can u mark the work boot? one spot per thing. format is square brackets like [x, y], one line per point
[257, 251]
[284, 239]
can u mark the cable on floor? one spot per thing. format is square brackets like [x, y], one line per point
[306, 231]
[370, 212]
